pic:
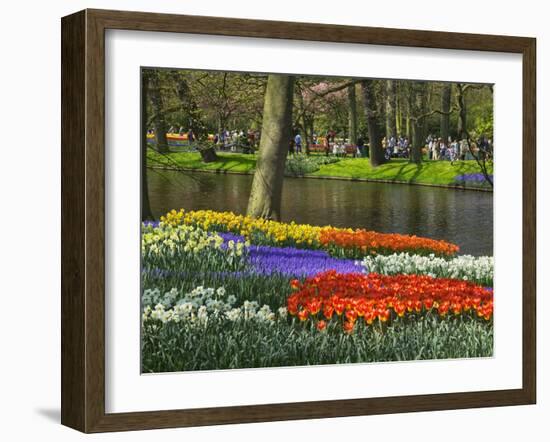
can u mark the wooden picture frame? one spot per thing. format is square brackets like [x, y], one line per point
[83, 220]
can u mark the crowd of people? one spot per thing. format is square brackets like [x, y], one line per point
[225, 140]
[452, 149]
[396, 147]
[436, 148]
[245, 140]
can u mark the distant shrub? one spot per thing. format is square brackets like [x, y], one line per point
[300, 165]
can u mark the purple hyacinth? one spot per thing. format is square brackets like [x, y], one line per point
[290, 261]
[153, 224]
[472, 178]
[285, 261]
[297, 262]
[230, 237]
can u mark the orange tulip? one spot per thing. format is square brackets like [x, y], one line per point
[321, 325]
[348, 327]
[303, 314]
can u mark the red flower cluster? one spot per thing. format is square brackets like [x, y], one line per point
[356, 243]
[373, 296]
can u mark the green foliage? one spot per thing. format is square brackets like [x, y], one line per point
[483, 126]
[248, 344]
[428, 172]
[271, 290]
[300, 165]
[242, 163]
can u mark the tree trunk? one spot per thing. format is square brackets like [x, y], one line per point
[462, 112]
[146, 213]
[267, 185]
[352, 114]
[371, 114]
[407, 90]
[307, 138]
[311, 127]
[159, 121]
[417, 142]
[445, 109]
[398, 114]
[391, 93]
[418, 105]
[208, 155]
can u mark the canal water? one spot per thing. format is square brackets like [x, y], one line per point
[460, 216]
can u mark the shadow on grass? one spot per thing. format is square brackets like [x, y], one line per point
[240, 164]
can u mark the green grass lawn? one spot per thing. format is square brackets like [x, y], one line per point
[228, 162]
[429, 172]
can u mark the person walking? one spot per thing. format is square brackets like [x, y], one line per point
[327, 146]
[361, 146]
[463, 148]
[291, 147]
[453, 151]
[298, 142]
[437, 149]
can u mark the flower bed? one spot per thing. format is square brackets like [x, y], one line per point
[188, 249]
[331, 295]
[472, 180]
[465, 267]
[221, 290]
[291, 261]
[358, 243]
[208, 329]
[350, 243]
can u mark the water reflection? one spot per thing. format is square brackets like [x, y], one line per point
[462, 217]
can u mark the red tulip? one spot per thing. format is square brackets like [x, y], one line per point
[303, 314]
[348, 326]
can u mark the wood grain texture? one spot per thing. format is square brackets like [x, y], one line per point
[73, 254]
[83, 220]
[529, 220]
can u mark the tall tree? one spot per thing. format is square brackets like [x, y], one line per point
[159, 119]
[462, 128]
[189, 109]
[146, 213]
[418, 110]
[193, 116]
[398, 110]
[267, 185]
[391, 94]
[352, 114]
[372, 115]
[445, 110]
[303, 119]
[406, 87]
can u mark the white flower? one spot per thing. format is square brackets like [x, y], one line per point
[202, 314]
[146, 313]
[466, 267]
[234, 314]
[265, 314]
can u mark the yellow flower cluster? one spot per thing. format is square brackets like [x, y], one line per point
[350, 243]
[166, 241]
[274, 231]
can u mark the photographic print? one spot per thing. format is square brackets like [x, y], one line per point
[295, 220]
